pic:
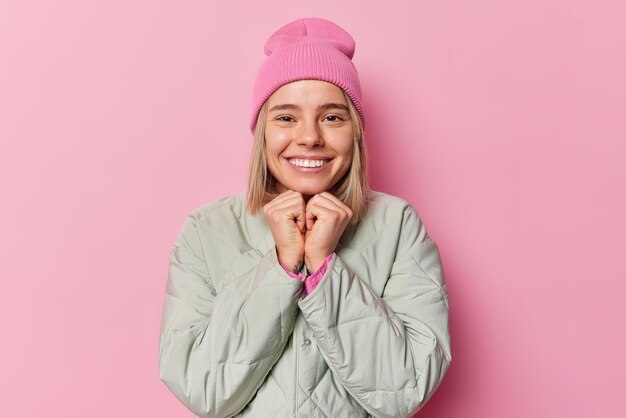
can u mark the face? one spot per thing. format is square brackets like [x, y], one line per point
[308, 136]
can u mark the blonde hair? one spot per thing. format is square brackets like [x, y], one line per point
[352, 189]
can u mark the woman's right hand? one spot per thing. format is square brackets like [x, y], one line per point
[286, 217]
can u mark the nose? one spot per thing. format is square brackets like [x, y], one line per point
[310, 134]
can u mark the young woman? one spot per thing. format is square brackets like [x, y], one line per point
[310, 295]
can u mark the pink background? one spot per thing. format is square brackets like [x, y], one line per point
[504, 123]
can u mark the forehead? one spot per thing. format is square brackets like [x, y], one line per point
[307, 93]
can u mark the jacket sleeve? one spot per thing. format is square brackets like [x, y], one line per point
[390, 352]
[216, 349]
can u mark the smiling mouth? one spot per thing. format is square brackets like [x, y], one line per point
[307, 163]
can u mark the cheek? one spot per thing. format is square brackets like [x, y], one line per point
[343, 146]
[275, 142]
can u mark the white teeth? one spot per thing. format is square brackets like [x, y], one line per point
[307, 163]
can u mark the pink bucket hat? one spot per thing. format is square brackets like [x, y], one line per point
[307, 49]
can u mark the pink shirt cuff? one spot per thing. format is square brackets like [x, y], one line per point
[313, 280]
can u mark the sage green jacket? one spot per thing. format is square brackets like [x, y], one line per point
[240, 337]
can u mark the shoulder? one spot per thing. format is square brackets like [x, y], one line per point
[228, 207]
[227, 221]
[378, 198]
[391, 216]
[215, 212]
[216, 219]
[384, 205]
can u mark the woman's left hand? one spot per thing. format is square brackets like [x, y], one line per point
[326, 219]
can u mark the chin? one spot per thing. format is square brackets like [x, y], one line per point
[309, 190]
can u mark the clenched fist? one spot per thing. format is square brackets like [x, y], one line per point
[285, 215]
[306, 231]
[326, 219]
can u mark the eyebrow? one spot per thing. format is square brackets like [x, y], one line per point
[327, 106]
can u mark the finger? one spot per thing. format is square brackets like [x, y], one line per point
[284, 201]
[316, 212]
[269, 206]
[300, 222]
[281, 198]
[324, 204]
[293, 212]
[310, 213]
[315, 208]
[331, 197]
[292, 207]
[300, 215]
